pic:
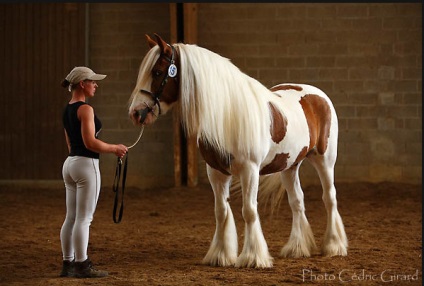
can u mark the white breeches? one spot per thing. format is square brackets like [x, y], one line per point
[82, 182]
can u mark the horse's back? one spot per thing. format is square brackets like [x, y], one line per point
[316, 107]
[305, 92]
[301, 90]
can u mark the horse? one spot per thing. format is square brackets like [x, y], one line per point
[256, 134]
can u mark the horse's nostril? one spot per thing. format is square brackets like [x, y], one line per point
[142, 113]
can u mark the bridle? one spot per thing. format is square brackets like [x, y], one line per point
[172, 72]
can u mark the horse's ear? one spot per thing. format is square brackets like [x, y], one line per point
[150, 42]
[164, 47]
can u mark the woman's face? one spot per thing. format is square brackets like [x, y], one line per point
[89, 87]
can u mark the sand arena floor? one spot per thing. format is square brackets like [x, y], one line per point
[165, 233]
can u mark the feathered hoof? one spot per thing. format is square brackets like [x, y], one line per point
[296, 250]
[219, 260]
[334, 250]
[254, 261]
[334, 245]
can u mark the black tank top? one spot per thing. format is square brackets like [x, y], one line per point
[73, 128]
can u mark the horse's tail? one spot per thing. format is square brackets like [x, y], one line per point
[270, 191]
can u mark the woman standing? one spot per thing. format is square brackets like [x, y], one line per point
[81, 172]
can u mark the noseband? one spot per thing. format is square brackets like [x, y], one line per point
[172, 72]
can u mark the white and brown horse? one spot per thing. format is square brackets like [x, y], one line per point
[245, 130]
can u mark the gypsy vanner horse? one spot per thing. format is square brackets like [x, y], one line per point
[259, 135]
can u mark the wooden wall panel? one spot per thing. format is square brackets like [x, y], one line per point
[40, 43]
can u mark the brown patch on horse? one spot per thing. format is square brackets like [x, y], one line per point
[286, 87]
[318, 117]
[279, 125]
[302, 154]
[214, 158]
[279, 163]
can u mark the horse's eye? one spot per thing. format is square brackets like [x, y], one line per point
[157, 73]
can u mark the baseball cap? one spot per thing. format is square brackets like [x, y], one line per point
[78, 74]
[82, 73]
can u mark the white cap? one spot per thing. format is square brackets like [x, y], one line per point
[82, 73]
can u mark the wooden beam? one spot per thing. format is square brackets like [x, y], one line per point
[176, 122]
[173, 21]
[190, 23]
[190, 37]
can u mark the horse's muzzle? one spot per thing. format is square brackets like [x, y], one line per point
[142, 113]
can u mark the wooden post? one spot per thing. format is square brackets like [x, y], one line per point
[176, 122]
[190, 37]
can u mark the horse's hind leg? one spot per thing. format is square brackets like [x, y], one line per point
[224, 245]
[335, 240]
[301, 242]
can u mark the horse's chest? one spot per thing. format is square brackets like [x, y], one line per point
[214, 159]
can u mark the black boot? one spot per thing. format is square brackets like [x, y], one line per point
[85, 270]
[67, 269]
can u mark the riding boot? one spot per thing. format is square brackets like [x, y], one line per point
[85, 270]
[67, 268]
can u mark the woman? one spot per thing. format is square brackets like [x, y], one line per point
[81, 172]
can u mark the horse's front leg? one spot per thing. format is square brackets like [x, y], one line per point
[224, 245]
[255, 250]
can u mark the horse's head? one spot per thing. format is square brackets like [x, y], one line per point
[157, 85]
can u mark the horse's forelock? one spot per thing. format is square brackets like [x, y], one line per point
[144, 78]
[147, 64]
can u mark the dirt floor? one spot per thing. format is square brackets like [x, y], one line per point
[165, 233]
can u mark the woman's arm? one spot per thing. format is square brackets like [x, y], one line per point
[88, 130]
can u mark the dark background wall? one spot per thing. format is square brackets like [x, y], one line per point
[366, 57]
[38, 45]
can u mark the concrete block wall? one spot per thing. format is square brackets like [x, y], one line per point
[366, 57]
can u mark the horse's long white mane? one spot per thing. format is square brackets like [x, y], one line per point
[220, 103]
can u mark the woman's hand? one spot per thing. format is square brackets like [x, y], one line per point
[120, 150]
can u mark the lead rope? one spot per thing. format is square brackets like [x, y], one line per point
[117, 179]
